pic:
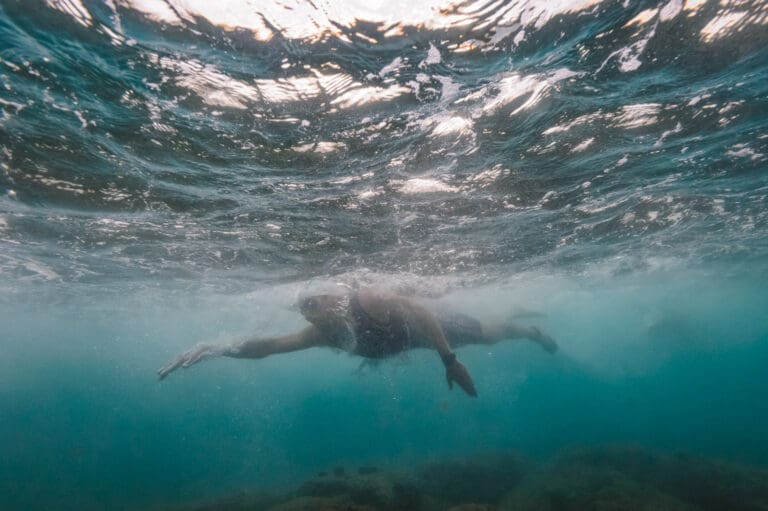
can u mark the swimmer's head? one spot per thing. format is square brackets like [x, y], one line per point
[321, 309]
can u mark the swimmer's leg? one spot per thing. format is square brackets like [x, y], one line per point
[512, 330]
[461, 330]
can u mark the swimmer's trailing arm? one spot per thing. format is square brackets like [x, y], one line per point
[428, 326]
[249, 348]
[456, 372]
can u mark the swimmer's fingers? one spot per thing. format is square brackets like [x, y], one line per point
[169, 367]
[456, 372]
[184, 360]
[196, 354]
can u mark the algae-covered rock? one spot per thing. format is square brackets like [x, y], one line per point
[714, 485]
[628, 478]
[584, 488]
[381, 490]
[338, 503]
[587, 479]
[479, 480]
[243, 501]
[706, 484]
[473, 507]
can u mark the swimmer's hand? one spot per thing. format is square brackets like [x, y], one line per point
[456, 372]
[188, 358]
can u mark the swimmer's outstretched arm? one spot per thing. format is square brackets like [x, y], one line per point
[249, 348]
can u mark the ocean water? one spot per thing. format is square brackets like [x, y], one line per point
[181, 171]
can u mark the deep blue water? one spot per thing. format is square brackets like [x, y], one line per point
[181, 171]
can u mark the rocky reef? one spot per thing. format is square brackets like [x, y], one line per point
[617, 478]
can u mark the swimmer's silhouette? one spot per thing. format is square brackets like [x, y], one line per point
[374, 325]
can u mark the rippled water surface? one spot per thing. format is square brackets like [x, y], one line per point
[181, 170]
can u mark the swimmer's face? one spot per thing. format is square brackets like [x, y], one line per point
[321, 308]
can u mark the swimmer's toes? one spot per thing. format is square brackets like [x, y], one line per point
[546, 342]
[549, 344]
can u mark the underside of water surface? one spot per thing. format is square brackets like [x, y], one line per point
[180, 171]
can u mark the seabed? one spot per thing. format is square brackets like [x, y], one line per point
[611, 478]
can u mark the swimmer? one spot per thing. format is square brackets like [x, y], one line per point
[373, 325]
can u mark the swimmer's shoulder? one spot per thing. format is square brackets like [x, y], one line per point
[378, 303]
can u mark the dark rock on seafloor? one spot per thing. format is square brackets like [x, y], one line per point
[338, 503]
[627, 478]
[381, 490]
[708, 484]
[616, 478]
[243, 501]
[586, 488]
[473, 507]
[479, 480]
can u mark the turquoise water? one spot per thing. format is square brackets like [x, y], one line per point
[172, 173]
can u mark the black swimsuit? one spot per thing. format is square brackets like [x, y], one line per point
[377, 339]
[368, 337]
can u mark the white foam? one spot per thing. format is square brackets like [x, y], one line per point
[392, 67]
[671, 10]
[556, 129]
[629, 56]
[721, 25]
[368, 194]
[218, 89]
[582, 146]
[744, 151]
[691, 6]
[583, 119]
[13, 104]
[677, 129]
[113, 223]
[502, 33]
[160, 12]
[452, 125]
[306, 20]
[41, 270]
[450, 89]
[515, 86]
[488, 176]
[433, 57]
[364, 95]
[637, 115]
[642, 17]
[74, 8]
[322, 147]
[211, 85]
[425, 185]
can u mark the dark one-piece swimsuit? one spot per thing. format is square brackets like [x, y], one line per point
[378, 339]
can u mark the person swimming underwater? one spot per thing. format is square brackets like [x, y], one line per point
[375, 325]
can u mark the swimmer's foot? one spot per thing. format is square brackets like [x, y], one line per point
[547, 342]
